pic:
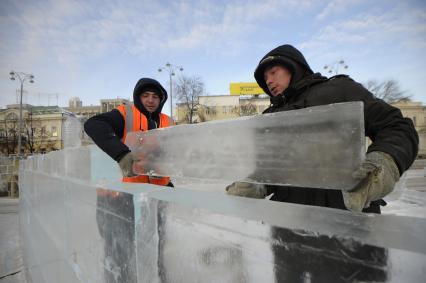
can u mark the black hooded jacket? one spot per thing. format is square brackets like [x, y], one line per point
[107, 129]
[388, 130]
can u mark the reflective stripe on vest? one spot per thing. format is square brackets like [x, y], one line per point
[134, 120]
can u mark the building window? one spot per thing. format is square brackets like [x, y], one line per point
[43, 130]
[414, 121]
[210, 110]
[54, 131]
[227, 109]
[12, 116]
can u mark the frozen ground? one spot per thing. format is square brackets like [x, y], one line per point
[11, 262]
[409, 199]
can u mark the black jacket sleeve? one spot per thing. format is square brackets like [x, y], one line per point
[106, 130]
[388, 130]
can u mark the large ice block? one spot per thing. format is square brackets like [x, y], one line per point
[82, 230]
[314, 147]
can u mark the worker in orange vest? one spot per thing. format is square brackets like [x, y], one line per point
[109, 130]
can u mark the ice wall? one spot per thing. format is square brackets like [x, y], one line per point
[79, 224]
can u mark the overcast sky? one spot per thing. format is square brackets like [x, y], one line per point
[99, 49]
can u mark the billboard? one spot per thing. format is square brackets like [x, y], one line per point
[245, 89]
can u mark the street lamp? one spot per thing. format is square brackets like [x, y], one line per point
[171, 69]
[334, 67]
[22, 77]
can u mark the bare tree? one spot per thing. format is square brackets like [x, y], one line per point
[188, 90]
[10, 141]
[4, 141]
[248, 109]
[201, 115]
[44, 140]
[10, 134]
[29, 138]
[388, 90]
[30, 132]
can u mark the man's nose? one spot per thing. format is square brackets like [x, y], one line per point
[268, 80]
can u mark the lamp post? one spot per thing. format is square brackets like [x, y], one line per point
[334, 67]
[22, 77]
[171, 69]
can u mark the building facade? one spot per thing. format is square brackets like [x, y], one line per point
[75, 106]
[42, 129]
[219, 107]
[109, 104]
[416, 112]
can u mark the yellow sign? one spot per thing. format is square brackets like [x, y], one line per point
[245, 89]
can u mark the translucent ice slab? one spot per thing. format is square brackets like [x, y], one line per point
[71, 131]
[314, 147]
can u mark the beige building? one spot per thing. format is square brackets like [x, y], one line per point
[109, 104]
[75, 106]
[218, 107]
[42, 128]
[416, 112]
[85, 111]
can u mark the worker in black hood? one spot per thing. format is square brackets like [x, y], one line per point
[109, 130]
[286, 77]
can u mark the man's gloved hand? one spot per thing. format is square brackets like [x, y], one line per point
[126, 165]
[246, 189]
[378, 175]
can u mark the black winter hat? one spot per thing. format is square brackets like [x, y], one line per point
[287, 56]
[152, 88]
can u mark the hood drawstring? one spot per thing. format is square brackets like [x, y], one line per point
[278, 101]
[152, 124]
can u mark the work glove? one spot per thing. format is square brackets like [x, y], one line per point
[126, 165]
[378, 175]
[247, 189]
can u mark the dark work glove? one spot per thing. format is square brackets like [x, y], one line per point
[247, 189]
[126, 165]
[378, 175]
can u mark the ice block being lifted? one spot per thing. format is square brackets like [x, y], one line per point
[315, 147]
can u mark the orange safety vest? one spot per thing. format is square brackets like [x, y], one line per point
[134, 120]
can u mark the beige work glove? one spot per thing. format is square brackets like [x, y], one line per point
[378, 175]
[247, 189]
[126, 165]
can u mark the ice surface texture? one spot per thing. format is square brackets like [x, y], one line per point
[314, 147]
[79, 226]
